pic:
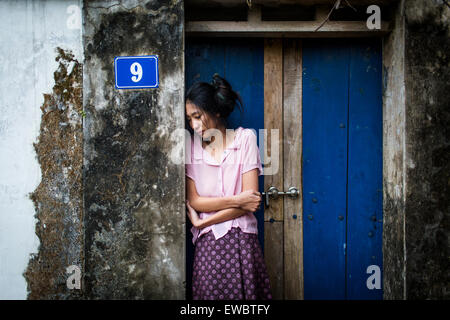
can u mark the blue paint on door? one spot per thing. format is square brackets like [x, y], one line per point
[342, 168]
[325, 95]
[241, 62]
[365, 179]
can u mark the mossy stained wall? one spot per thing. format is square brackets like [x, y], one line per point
[133, 193]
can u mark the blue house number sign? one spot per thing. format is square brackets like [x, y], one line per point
[138, 72]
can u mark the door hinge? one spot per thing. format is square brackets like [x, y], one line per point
[345, 248]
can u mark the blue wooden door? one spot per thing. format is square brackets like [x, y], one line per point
[241, 62]
[342, 169]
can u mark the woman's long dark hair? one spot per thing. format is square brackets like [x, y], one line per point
[215, 97]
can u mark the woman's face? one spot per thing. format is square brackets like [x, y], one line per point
[199, 120]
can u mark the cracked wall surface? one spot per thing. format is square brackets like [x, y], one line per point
[133, 200]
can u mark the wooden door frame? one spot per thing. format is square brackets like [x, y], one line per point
[283, 220]
[256, 27]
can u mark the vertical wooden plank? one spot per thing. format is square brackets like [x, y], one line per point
[365, 162]
[273, 255]
[273, 120]
[292, 113]
[324, 141]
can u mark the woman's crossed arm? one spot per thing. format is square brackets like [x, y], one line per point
[227, 208]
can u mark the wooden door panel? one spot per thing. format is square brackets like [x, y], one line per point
[325, 112]
[324, 97]
[342, 168]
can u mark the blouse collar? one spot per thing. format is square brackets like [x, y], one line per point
[200, 153]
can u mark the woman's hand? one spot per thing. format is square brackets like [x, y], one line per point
[193, 216]
[249, 200]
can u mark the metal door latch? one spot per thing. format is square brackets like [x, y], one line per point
[274, 193]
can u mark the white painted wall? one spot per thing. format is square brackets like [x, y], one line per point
[29, 33]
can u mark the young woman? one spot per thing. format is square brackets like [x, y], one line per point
[222, 194]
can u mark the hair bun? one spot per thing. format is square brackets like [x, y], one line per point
[216, 97]
[224, 95]
[216, 81]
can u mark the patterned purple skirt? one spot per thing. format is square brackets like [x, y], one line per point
[229, 268]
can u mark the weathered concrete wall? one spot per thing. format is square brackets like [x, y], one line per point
[40, 143]
[394, 160]
[416, 231]
[427, 205]
[134, 194]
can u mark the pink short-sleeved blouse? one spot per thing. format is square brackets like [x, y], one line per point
[213, 179]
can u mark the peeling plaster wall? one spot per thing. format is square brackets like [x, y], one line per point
[134, 208]
[37, 203]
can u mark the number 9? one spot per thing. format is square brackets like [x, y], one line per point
[136, 70]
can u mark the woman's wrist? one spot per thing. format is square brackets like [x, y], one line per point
[201, 223]
[234, 202]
